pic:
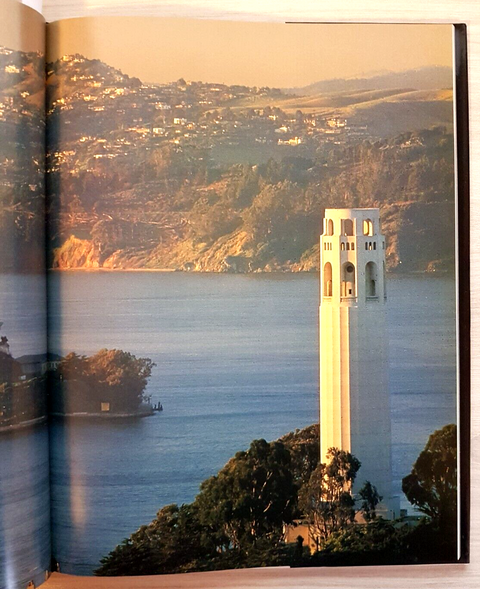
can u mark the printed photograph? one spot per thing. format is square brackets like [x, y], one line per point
[252, 295]
[24, 362]
[22, 235]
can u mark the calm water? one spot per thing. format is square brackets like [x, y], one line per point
[236, 360]
[24, 507]
[24, 484]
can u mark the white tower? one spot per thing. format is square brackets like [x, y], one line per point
[354, 395]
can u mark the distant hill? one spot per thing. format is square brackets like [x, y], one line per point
[208, 177]
[425, 78]
[385, 112]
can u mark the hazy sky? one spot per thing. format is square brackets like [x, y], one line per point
[255, 54]
[21, 28]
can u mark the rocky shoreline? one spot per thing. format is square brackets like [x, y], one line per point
[419, 239]
[23, 424]
[104, 416]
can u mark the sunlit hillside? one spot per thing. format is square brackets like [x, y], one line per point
[204, 176]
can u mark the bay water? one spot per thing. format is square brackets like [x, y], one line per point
[24, 453]
[236, 359]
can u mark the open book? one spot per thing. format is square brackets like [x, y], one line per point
[184, 203]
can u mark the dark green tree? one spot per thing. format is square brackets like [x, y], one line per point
[432, 484]
[111, 376]
[326, 500]
[170, 543]
[370, 499]
[250, 498]
[377, 536]
[304, 446]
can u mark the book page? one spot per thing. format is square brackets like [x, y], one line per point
[36, 4]
[212, 184]
[24, 471]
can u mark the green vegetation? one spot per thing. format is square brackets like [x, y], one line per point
[269, 216]
[370, 499]
[432, 484]
[250, 498]
[326, 501]
[81, 384]
[22, 151]
[237, 520]
[128, 187]
[238, 180]
[182, 213]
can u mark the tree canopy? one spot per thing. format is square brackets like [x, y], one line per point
[112, 376]
[238, 518]
[326, 500]
[251, 497]
[169, 544]
[370, 499]
[432, 484]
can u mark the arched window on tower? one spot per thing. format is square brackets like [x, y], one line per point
[328, 227]
[347, 227]
[371, 280]
[348, 280]
[327, 280]
[368, 227]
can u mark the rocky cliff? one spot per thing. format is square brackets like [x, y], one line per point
[188, 176]
[419, 239]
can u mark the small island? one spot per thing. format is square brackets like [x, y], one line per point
[108, 384]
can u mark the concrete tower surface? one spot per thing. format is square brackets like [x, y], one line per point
[354, 395]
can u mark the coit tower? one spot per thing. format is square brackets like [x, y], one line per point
[354, 395]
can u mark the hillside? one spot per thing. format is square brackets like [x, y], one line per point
[208, 177]
[22, 222]
[379, 113]
[423, 78]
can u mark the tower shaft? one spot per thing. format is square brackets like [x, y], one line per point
[354, 395]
